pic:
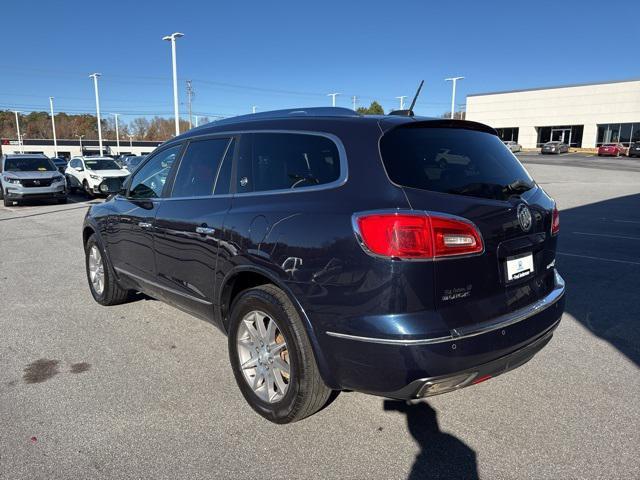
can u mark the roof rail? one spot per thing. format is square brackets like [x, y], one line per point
[288, 113]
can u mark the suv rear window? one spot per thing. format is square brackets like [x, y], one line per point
[451, 160]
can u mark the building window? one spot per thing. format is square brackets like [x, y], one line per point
[624, 133]
[508, 134]
[569, 134]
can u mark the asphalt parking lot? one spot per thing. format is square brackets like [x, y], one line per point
[145, 391]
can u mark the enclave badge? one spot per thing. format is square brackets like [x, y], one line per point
[524, 217]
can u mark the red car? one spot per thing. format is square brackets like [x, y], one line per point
[612, 149]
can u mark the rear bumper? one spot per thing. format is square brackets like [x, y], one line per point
[406, 369]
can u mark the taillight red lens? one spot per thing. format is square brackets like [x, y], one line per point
[418, 236]
[555, 221]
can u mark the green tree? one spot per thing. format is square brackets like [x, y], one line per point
[374, 109]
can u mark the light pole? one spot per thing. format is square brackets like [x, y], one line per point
[196, 117]
[401, 98]
[253, 109]
[18, 130]
[130, 141]
[172, 38]
[333, 98]
[80, 138]
[354, 99]
[95, 86]
[53, 127]
[116, 115]
[453, 93]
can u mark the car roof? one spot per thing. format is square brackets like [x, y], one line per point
[305, 117]
[25, 155]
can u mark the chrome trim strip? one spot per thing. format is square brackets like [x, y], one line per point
[162, 287]
[485, 327]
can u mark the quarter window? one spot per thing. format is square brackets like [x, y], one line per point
[149, 180]
[199, 167]
[282, 161]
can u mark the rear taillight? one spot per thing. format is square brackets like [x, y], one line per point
[555, 221]
[417, 236]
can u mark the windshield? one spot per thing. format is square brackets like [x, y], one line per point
[101, 165]
[452, 160]
[32, 164]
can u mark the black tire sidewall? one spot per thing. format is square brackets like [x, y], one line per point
[282, 411]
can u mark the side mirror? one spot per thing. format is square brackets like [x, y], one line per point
[79, 169]
[113, 186]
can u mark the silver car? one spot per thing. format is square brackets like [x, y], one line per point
[513, 146]
[30, 177]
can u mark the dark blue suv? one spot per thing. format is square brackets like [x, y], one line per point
[395, 255]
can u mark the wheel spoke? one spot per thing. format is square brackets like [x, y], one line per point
[269, 380]
[281, 365]
[251, 363]
[261, 328]
[276, 347]
[270, 334]
[282, 386]
[253, 333]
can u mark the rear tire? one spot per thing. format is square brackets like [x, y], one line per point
[7, 202]
[107, 292]
[304, 391]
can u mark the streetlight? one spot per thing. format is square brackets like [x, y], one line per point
[354, 99]
[253, 109]
[95, 86]
[130, 142]
[16, 112]
[453, 93]
[333, 98]
[116, 115]
[172, 38]
[80, 137]
[53, 127]
[402, 97]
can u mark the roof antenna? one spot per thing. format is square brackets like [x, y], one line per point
[409, 113]
[413, 104]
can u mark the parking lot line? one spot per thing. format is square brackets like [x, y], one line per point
[624, 237]
[628, 262]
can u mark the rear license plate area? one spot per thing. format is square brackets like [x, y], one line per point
[518, 267]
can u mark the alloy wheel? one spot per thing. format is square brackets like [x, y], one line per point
[263, 356]
[96, 269]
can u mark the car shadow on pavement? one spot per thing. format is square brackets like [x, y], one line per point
[441, 455]
[599, 260]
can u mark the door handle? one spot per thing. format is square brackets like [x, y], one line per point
[205, 230]
[144, 225]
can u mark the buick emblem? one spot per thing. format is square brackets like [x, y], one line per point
[524, 217]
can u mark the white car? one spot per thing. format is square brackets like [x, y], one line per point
[513, 146]
[88, 173]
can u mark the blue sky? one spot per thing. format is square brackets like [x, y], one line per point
[283, 54]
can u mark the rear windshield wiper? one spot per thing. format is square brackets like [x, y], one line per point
[517, 187]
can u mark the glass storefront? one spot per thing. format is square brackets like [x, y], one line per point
[569, 134]
[507, 134]
[624, 133]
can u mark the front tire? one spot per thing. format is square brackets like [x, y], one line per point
[87, 189]
[271, 357]
[100, 275]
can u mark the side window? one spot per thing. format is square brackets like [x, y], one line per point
[149, 180]
[198, 168]
[279, 161]
[223, 181]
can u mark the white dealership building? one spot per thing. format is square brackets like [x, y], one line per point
[582, 115]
